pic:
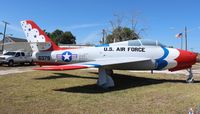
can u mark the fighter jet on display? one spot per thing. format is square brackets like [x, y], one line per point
[127, 55]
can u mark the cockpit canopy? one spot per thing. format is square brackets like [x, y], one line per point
[144, 42]
[139, 42]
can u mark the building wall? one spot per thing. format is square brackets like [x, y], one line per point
[24, 46]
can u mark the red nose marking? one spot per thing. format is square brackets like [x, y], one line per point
[185, 60]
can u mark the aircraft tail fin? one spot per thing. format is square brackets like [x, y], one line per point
[37, 38]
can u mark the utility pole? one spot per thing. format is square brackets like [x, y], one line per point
[4, 34]
[182, 42]
[185, 38]
[104, 36]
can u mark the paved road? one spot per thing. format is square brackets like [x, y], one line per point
[17, 69]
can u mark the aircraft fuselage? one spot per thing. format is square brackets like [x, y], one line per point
[161, 57]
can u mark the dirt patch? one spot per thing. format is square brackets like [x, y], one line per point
[17, 69]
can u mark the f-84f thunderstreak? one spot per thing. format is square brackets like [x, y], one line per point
[127, 55]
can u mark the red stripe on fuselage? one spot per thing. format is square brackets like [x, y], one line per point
[48, 63]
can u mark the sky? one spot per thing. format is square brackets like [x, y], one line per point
[162, 19]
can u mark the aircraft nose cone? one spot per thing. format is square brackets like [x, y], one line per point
[185, 60]
[193, 57]
[187, 57]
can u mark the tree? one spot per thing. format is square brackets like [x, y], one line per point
[66, 38]
[123, 33]
[55, 35]
[58, 36]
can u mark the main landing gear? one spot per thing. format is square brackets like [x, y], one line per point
[190, 78]
[105, 80]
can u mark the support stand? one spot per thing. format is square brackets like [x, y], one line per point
[105, 80]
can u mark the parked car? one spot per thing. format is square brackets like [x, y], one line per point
[16, 57]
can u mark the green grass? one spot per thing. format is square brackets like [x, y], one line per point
[72, 92]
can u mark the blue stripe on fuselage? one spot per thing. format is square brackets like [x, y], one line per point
[161, 63]
[95, 65]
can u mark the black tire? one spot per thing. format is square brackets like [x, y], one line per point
[11, 63]
[22, 64]
[31, 63]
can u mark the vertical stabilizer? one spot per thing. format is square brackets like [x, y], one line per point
[37, 38]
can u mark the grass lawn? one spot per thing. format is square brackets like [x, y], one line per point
[72, 92]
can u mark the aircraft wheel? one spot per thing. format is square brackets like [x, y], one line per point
[190, 80]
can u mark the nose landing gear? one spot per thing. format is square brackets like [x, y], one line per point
[190, 78]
